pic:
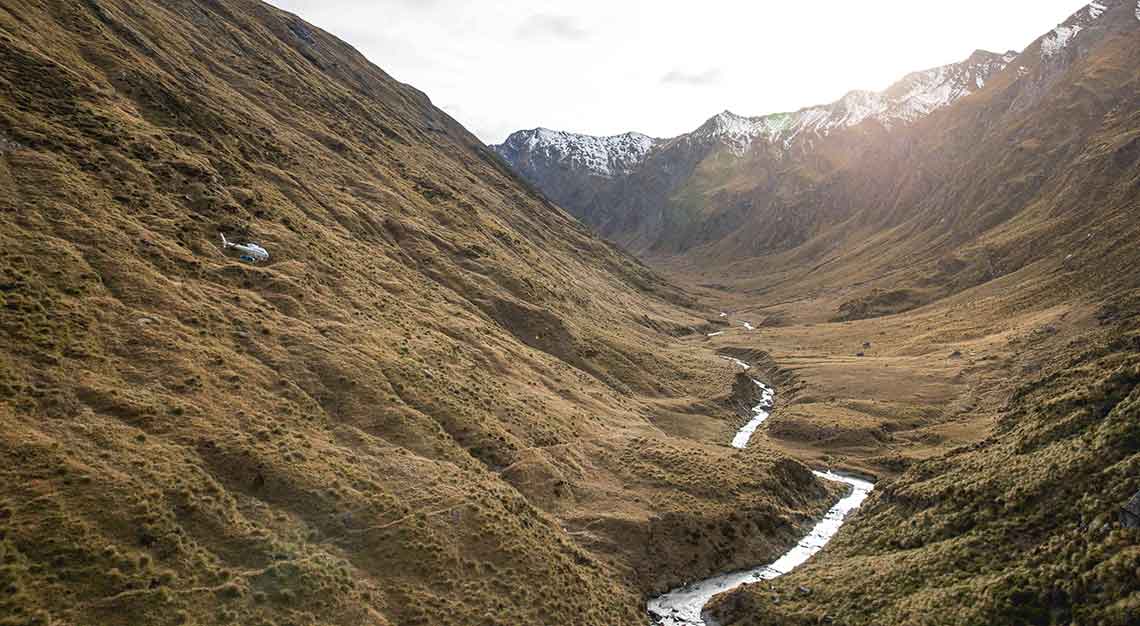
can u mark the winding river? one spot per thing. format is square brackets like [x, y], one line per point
[683, 606]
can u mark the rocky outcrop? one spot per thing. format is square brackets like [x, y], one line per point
[1130, 512]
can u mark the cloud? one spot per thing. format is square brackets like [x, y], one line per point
[556, 26]
[692, 79]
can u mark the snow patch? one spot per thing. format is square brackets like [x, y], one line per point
[916, 96]
[1058, 40]
[603, 156]
[735, 131]
[1095, 9]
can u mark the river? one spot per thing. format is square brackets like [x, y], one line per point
[683, 606]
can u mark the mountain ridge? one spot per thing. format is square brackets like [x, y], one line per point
[856, 106]
[698, 202]
[574, 170]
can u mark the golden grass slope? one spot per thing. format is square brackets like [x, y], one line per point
[403, 417]
[1021, 527]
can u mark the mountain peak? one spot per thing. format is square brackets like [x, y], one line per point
[915, 96]
[1057, 40]
[601, 156]
[981, 56]
[725, 123]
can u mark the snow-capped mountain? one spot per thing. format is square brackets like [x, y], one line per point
[601, 156]
[583, 172]
[1060, 37]
[915, 96]
[705, 187]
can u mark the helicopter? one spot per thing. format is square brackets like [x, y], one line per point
[250, 252]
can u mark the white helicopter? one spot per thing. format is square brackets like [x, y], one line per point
[250, 252]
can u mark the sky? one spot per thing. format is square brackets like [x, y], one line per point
[662, 67]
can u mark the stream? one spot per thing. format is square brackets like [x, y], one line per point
[760, 412]
[683, 606]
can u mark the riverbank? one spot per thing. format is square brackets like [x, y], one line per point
[684, 606]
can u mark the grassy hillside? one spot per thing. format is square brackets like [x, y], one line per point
[1021, 527]
[436, 403]
[443, 401]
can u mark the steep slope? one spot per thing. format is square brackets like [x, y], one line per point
[1007, 223]
[1024, 193]
[400, 418]
[1037, 171]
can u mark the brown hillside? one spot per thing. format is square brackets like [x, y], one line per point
[973, 327]
[441, 401]
[1022, 526]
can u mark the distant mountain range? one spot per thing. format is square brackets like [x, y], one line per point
[951, 153]
[913, 97]
[577, 170]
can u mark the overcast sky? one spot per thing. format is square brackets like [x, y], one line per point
[662, 67]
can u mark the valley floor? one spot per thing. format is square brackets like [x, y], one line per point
[972, 412]
[405, 416]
